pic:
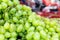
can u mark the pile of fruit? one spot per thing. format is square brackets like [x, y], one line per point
[18, 22]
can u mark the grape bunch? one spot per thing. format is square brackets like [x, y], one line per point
[18, 22]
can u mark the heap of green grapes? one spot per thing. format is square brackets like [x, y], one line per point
[18, 22]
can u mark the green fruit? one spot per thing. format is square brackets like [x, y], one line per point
[10, 3]
[2, 37]
[19, 28]
[27, 25]
[12, 28]
[36, 36]
[55, 37]
[12, 39]
[36, 22]
[43, 34]
[30, 19]
[53, 23]
[0, 6]
[46, 30]
[18, 7]
[15, 19]
[24, 13]
[2, 30]
[51, 29]
[14, 34]
[29, 36]
[4, 5]
[13, 10]
[18, 22]
[6, 39]
[16, 2]
[6, 25]
[20, 13]
[21, 21]
[17, 15]
[39, 28]
[31, 29]
[6, 16]
[5, 0]
[0, 1]
[7, 35]
[57, 29]
[1, 22]
[47, 21]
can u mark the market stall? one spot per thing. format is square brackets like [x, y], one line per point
[19, 22]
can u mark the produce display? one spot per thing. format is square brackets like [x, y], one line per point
[18, 22]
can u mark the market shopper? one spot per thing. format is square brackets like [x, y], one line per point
[51, 5]
[41, 5]
[36, 5]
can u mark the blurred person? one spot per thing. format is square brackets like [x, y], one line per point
[50, 6]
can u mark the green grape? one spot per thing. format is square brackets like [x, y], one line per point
[18, 7]
[51, 29]
[14, 34]
[21, 21]
[49, 33]
[29, 36]
[2, 30]
[16, 2]
[13, 10]
[15, 19]
[19, 28]
[27, 25]
[17, 15]
[47, 26]
[29, 13]
[24, 13]
[7, 35]
[55, 37]
[5, 0]
[43, 33]
[1, 22]
[31, 29]
[39, 28]
[2, 37]
[57, 29]
[48, 36]
[0, 1]
[38, 17]
[36, 22]
[4, 5]
[12, 28]
[30, 19]
[10, 3]
[47, 21]
[28, 8]
[24, 7]
[21, 34]
[12, 39]
[53, 23]
[6, 39]
[6, 16]
[0, 6]
[20, 13]
[41, 23]
[6, 25]
[36, 36]
[46, 30]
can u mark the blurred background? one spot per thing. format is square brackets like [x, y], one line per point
[44, 7]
